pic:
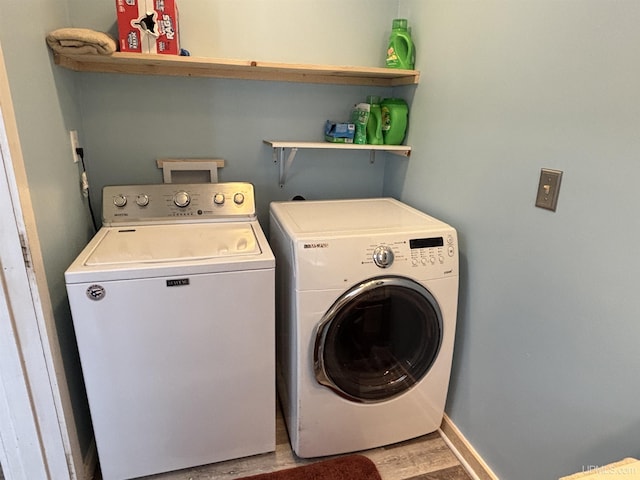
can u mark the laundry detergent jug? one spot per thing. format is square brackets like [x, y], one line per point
[395, 113]
[401, 52]
[374, 124]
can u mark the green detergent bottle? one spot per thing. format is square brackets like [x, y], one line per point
[374, 124]
[401, 52]
[395, 113]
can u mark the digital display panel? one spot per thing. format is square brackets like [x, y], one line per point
[426, 242]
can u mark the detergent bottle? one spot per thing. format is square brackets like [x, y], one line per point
[401, 52]
[374, 124]
[395, 112]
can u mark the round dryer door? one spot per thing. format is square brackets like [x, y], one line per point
[378, 339]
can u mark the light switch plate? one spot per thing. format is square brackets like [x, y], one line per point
[548, 189]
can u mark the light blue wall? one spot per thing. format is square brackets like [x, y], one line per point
[46, 108]
[129, 121]
[545, 355]
[544, 380]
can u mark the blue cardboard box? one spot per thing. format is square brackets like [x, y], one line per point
[339, 132]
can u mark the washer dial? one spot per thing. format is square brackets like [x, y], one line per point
[119, 200]
[142, 200]
[181, 199]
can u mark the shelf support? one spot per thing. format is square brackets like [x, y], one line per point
[285, 165]
[279, 148]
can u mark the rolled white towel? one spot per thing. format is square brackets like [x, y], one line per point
[81, 41]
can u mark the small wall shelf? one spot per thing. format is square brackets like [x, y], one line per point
[279, 148]
[173, 65]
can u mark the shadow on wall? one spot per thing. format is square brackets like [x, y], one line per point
[463, 294]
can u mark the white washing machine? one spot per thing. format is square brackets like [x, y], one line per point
[173, 310]
[366, 304]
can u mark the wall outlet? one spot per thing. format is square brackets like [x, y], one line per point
[548, 189]
[73, 136]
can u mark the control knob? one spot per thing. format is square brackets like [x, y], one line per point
[238, 198]
[119, 200]
[142, 200]
[181, 199]
[218, 198]
[383, 256]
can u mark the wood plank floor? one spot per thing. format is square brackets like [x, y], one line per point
[423, 458]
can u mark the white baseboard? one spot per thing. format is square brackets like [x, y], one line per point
[465, 452]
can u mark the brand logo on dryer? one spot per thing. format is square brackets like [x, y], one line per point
[316, 245]
[178, 282]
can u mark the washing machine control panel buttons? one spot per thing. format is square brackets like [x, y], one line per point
[164, 202]
[119, 200]
[142, 200]
[383, 256]
[182, 199]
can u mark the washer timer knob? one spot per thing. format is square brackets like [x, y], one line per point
[238, 198]
[218, 198]
[181, 199]
[383, 256]
[119, 200]
[142, 200]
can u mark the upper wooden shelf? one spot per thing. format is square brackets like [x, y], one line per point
[144, 64]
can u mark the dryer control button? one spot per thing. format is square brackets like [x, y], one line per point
[383, 256]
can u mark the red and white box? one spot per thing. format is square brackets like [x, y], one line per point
[148, 26]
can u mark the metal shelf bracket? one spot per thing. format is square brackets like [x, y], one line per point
[285, 165]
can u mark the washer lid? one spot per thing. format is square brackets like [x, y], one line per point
[173, 243]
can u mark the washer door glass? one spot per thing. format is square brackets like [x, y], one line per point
[378, 339]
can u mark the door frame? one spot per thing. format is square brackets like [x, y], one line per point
[38, 436]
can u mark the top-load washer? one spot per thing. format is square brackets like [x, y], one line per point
[173, 310]
[366, 303]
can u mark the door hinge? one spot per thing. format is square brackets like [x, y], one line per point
[25, 250]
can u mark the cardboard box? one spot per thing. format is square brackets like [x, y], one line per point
[148, 26]
[337, 132]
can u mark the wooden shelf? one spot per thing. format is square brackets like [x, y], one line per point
[285, 164]
[173, 65]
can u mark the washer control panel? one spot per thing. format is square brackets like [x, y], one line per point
[168, 202]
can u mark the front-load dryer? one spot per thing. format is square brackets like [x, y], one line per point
[366, 304]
